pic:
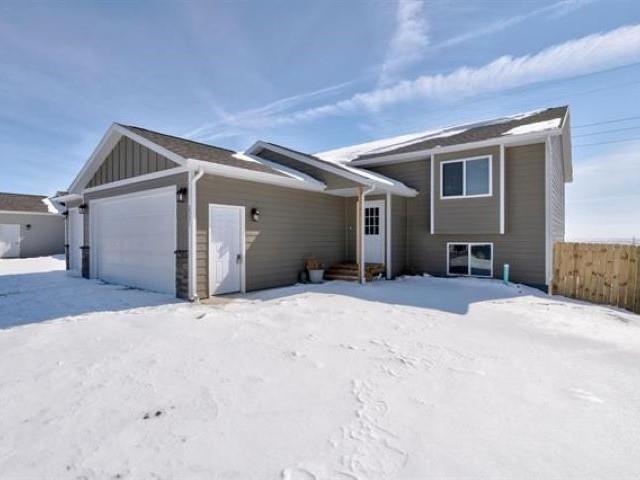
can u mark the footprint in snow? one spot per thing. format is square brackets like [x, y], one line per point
[297, 474]
[585, 395]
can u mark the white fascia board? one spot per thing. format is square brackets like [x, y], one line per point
[211, 168]
[19, 212]
[140, 178]
[567, 150]
[66, 198]
[522, 139]
[361, 179]
[109, 140]
[322, 165]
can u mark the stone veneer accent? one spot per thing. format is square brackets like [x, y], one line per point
[182, 274]
[66, 256]
[85, 261]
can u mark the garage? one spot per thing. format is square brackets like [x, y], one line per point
[133, 239]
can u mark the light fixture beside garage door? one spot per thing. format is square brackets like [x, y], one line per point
[255, 214]
[181, 194]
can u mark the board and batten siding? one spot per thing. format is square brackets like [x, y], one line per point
[523, 244]
[129, 159]
[294, 225]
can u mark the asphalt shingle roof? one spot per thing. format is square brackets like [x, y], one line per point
[200, 151]
[23, 203]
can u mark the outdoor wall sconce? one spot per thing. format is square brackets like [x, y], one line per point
[255, 214]
[181, 194]
[65, 213]
[28, 226]
[83, 208]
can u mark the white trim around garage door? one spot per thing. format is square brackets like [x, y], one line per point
[93, 273]
[243, 247]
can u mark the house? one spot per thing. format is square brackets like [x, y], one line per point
[173, 215]
[30, 226]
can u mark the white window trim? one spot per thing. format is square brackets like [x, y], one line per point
[464, 177]
[469, 245]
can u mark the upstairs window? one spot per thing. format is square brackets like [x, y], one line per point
[469, 177]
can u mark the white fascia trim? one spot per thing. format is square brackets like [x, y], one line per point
[66, 198]
[19, 212]
[336, 170]
[524, 138]
[294, 174]
[567, 149]
[109, 140]
[502, 190]
[138, 179]
[254, 176]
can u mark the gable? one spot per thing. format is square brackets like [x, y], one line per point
[129, 159]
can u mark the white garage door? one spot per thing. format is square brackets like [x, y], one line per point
[9, 240]
[134, 239]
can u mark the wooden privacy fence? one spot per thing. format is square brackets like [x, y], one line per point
[598, 273]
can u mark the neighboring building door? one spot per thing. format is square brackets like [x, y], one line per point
[374, 231]
[226, 249]
[9, 240]
[133, 239]
[76, 239]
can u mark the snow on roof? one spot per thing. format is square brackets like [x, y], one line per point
[534, 127]
[351, 152]
[430, 137]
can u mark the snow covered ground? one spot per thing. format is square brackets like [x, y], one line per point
[412, 379]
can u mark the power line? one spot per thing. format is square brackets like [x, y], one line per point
[606, 131]
[625, 119]
[637, 139]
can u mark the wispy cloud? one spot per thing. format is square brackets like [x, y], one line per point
[409, 42]
[555, 10]
[581, 56]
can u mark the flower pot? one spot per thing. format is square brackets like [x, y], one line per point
[315, 276]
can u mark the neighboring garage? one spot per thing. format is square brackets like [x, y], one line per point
[133, 239]
[29, 226]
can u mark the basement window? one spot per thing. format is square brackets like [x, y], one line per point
[464, 178]
[470, 259]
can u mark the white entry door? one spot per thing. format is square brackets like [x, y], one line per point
[76, 240]
[226, 249]
[133, 239]
[374, 231]
[9, 240]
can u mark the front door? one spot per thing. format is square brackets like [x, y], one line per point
[374, 231]
[9, 240]
[226, 249]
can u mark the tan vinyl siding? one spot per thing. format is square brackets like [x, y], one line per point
[129, 159]
[398, 235]
[294, 224]
[468, 215]
[523, 244]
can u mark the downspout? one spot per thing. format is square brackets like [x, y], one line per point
[363, 193]
[192, 248]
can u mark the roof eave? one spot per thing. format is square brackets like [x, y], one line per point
[421, 154]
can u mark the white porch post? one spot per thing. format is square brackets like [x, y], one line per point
[361, 276]
[387, 230]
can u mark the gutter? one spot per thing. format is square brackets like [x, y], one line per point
[192, 248]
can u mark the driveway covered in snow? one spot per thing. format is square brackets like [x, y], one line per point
[411, 379]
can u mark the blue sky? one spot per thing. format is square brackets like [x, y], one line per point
[318, 75]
